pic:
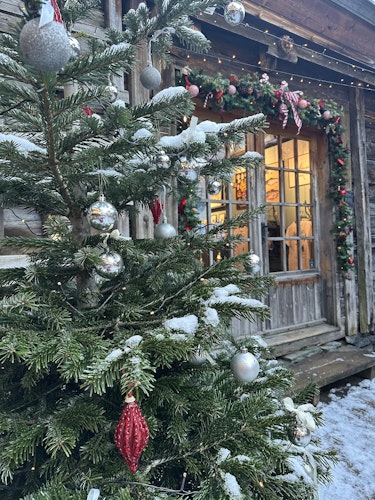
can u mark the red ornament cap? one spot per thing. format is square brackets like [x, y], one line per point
[132, 433]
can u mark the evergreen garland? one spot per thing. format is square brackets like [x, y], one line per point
[255, 94]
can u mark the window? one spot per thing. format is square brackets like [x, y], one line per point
[290, 223]
[222, 200]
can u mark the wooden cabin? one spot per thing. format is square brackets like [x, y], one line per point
[323, 300]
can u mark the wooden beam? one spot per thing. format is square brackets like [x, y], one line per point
[320, 22]
[304, 53]
[361, 206]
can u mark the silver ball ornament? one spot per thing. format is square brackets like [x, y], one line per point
[245, 366]
[299, 435]
[214, 187]
[150, 78]
[253, 263]
[102, 215]
[198, 358]
[163, 160]
[111, 265]
[188, 170]
[75, 47]
[234, 13]
[46, 48]
[164, 230]
[111, 93]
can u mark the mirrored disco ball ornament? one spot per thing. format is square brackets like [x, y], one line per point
[234, 13]
[213, 187]
[164, 230]
[102, 215]
[187, 170]
[111, 265]
[245, 366]
[150, 78]
[75, 47]
[163, 160]
[299, 435]
[46, 48]
[111, 93]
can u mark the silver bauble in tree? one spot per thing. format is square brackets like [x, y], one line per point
[234, 13]
[198, 358]
[164, 230]
[252, 264]
[110, 266]
[111, 93]
[213, 186]
[245, 366]
[150, 78]
[75, 47]
[187, 170]
[163, 160]
[102, 215]
[299, 434]
[46, 48]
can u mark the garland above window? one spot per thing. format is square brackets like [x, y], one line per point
[253, 93]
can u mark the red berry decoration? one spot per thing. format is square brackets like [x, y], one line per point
[132, 433]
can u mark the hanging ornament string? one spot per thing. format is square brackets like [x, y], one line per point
[292, 98]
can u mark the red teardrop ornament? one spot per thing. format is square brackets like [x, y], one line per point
[132, 433]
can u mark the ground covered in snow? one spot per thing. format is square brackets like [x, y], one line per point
[349, 428]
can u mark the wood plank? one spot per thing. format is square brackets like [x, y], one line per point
[305, 53]
[290, 341]
[327, 368]
[362, 211]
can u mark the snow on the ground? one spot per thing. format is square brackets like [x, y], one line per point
[349, 428]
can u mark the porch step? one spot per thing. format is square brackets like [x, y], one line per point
[289, 341]
[328, 367]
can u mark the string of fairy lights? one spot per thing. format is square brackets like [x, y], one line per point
[332, 63]
[245, 67]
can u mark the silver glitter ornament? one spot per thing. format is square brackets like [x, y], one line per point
[46, 48]
[111, 265]
[150, 78]
[214, 187]
[75, 47]
[234, 13]
[299, 435]
[102, 215]
[245, 366]
[164, 230]
[111, 93]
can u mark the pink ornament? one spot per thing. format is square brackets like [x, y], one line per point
[326, 115]
[193, 90]
[232, 90]
[302, 103]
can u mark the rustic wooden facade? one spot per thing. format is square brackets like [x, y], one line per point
[332, 58]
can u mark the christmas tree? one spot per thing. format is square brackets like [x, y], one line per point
[120, 378]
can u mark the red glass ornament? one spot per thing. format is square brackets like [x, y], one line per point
[351, 261]
[343, 192]
[132, 433]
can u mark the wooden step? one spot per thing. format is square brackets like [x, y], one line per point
[329, 367]
[292, 340]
